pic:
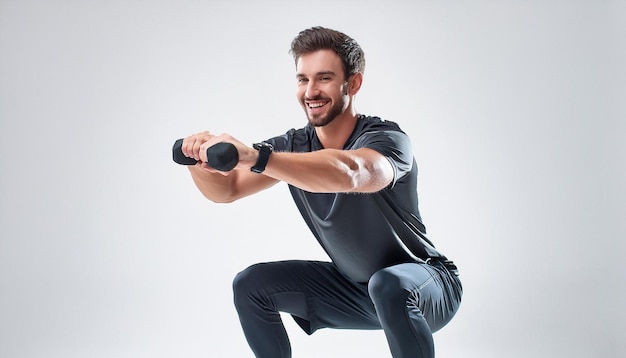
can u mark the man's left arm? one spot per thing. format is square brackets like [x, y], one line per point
[362, 170]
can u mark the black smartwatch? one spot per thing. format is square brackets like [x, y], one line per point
[265, 150]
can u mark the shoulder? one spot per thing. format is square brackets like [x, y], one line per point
[294, 140]
[372, 129]
[375, 123]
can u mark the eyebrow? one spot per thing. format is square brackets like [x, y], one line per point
[321, 73]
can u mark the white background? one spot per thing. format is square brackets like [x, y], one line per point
[517, 114]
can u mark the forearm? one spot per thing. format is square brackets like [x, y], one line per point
[231, 186]
[214, 186]
[331, 170]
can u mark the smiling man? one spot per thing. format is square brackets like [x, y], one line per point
[313, 85]
[354, 180]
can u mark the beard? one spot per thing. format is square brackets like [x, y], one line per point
[323, 120]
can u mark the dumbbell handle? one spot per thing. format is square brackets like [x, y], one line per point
[222, 156]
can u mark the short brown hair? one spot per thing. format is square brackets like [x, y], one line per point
[320, 38]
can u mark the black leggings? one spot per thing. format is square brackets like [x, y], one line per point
[408, 301]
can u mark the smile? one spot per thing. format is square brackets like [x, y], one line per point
[314, 105]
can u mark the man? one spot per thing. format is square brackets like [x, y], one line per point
[353, 178]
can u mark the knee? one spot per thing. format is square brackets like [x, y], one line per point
[385, 286]
[244, 281]
[248, 283]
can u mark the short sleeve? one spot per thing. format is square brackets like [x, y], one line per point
[394, 145]
[294, 140]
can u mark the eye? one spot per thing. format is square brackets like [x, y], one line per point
[302, 80]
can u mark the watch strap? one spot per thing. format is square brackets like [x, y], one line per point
[265, 150]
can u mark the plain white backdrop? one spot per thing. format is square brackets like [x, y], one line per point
[517, 114]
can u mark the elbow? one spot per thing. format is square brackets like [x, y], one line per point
[215, 191]
[355, 176]
[367, 177]
[222, 198]
[359, 182]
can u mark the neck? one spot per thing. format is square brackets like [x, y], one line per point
[335, 134]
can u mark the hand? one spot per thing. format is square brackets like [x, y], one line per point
[195, 146]
[243, 151]
[191, 147]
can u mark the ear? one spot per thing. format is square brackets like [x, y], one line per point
[354, 83]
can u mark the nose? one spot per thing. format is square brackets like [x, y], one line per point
[311, 90]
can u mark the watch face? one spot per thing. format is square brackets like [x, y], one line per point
[262, 145]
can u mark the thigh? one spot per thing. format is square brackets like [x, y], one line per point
[431, 288]
[314, 293]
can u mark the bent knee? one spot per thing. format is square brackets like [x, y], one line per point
[246, 279]
[385, 284]
[254, 280]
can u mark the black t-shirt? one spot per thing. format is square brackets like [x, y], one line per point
[363, 233]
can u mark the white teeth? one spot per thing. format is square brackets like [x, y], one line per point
[316, 105]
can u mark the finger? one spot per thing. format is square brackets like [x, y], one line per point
[190, 144]
[185, 147]
[194, 145]
[203, 139]
[197, 149]
[190, 148]
[202, 151]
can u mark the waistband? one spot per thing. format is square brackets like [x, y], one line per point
[448, 264]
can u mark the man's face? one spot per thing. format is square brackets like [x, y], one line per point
[322, 89]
